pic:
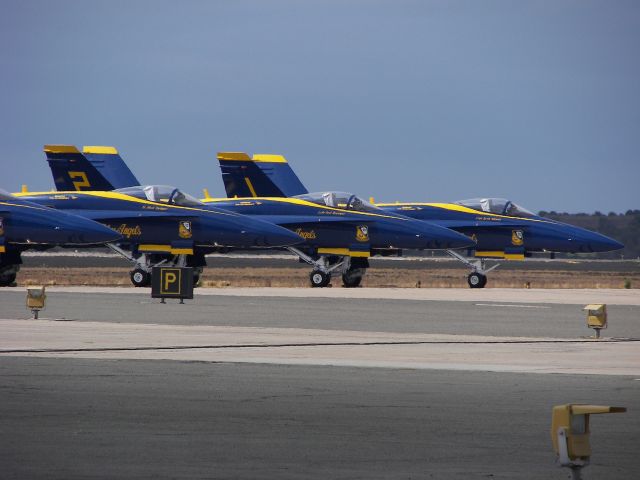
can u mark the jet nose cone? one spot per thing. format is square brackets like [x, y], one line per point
[88, 232]
[602, 243]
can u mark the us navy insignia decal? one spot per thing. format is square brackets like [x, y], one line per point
[362, 233]
[185, 229]
[517, 237]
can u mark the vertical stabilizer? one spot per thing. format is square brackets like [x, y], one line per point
[258, 176]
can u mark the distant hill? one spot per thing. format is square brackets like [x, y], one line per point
[623, 227]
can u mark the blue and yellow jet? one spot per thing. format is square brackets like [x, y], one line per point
[341, 231]
[25, 225]
[159, 224]
[500, 228]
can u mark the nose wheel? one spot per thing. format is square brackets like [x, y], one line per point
[140, 278]
[319, 279]
[477, 280]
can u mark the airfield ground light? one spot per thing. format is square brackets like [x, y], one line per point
[570, 434]
[36, 299]
[596, 317]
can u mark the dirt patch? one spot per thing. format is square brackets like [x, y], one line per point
[375, 277]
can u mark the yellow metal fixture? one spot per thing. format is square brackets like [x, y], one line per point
[596, 317]
[570, 433]
[36, 299]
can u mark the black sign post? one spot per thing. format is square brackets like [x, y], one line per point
[172, 282]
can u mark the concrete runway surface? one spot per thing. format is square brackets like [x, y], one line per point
[266, 383]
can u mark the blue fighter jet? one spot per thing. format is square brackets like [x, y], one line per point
[340, 230]
[160, 224]
[500, 228]
[25, 225]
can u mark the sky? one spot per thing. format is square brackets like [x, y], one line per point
[535, 101]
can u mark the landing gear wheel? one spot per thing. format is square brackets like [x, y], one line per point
[140, 278]
[319, 279]
[352, 277]
[196, 279]
[477, 280]
[7, 280]
[350, 281]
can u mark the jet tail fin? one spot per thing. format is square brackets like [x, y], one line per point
[95, 168]
[72, 171]
[110, 164]
[258, 176]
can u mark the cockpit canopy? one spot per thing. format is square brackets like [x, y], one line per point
[162, 194]
[342, 200]
[500, 206]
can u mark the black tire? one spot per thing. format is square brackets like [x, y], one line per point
[7, 280]
[350, 281]
[140, 278]
[353, 277]
[476, 280]
[196, 279]
[319, 279]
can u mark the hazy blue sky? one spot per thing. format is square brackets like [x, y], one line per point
[405, 100]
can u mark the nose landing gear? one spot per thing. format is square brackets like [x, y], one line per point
[324, 266]
[478, 277]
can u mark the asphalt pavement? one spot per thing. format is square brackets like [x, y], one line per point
[367, 387]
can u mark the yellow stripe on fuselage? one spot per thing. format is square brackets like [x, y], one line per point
[344, 252]
[119, 196]
[144, 247]
[499, 254]
[304, 203]
[34, 207]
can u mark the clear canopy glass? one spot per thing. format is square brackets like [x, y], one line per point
[342, 200]
[500, 206]
[162, 194]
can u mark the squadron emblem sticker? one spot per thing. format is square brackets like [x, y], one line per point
[517, 237]
[362, 233]
[184, 229]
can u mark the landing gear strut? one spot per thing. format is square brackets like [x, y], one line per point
[478, 277]
[141, 274]
[352, 270]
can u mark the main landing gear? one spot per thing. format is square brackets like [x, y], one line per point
[478, 277]
[324, 267]
[141, 274]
